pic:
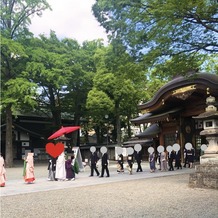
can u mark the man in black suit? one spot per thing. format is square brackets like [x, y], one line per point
[138, 158]
[178, 160]
[171, 157]
[94, 159]
[104, 163]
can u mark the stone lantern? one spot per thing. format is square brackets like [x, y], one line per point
[210, 125]
[206, 174]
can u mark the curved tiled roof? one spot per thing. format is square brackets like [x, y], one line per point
[205, 79]
[149, 131]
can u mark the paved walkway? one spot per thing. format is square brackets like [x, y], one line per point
[15, 184]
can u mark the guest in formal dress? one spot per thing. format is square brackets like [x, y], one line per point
[171, 158]
[178, 160]
[190, 157]
[185, 157]
[60, 173]
[120, 163]
[29, 176]
[138, 158]
[130, 163]
[152, 162]
[93, 161]
[163, 161]
[2, 171]
[104, 165]
[158, 160]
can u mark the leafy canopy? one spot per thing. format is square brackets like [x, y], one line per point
[161, 29]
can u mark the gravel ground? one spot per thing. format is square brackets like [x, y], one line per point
[167, 196]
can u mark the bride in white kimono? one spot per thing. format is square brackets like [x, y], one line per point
[60, 173]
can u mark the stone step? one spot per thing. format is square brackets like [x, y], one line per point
[206, 168]
[203, 180]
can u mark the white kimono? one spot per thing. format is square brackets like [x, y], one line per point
[60, 173]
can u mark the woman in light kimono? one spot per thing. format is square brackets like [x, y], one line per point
[28, 174]
[60, 173]
[2, 171]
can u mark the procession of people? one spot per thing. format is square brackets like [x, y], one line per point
[65, 166]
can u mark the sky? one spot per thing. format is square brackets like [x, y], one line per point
[69, 19]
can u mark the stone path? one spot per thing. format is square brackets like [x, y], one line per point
[15, 184]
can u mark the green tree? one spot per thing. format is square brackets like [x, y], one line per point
[211, 64]
[99, 105]
[48, 66]
[162, 29]
[117, 85]
[83, 70]
[82, 66]
[15, 18]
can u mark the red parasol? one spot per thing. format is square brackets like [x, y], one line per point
[63, 130]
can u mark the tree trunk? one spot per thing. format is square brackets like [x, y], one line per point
[118, 125]
[9, 140]
[55, 108]
[76, 134]
[118, 130]
[97, 131]
[129, 127]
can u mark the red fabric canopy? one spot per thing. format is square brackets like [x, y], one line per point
[63, 130]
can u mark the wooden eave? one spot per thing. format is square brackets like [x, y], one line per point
[203, 84]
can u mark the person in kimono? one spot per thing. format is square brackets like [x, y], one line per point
[2, 172]
[69, 165]
[60, 173]
[104, 165]
[28, 174]
[51, 169]
[93, 161]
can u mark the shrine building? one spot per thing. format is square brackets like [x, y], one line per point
[169, 114]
